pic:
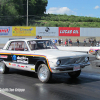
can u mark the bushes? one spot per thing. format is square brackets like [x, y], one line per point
[66, 24]
[52, 20]
[71, 18]
[54, 24]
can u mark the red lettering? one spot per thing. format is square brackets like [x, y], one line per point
[4, 30]
[7, 30]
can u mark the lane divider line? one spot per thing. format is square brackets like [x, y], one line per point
[11, 95]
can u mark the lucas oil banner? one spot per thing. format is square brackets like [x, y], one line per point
[69, 31]
[23, 31]
[5, 31]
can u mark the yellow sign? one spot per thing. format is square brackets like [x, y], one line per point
[23, 31]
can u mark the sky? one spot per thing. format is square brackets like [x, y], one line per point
[89, 8]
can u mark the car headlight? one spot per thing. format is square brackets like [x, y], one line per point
[86, 59]
[58, 62]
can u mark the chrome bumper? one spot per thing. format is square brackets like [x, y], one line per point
[68, 68]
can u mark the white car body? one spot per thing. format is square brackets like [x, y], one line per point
[38, 55]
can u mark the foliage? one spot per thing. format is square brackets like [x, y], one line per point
[13, 12]
[52, 20]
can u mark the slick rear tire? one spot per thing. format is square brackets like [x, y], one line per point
[3, 68]
[74, 74]
[44, 73]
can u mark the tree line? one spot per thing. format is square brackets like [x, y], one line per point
[53, 20]
[14, 13]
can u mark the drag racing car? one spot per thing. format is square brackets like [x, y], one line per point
[42, 57]
[93, 51]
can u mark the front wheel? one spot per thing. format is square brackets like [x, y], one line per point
[44, 73]
[74, 74]
[3, 68]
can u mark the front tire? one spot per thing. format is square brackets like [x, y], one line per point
[3, 68]
[44, 73]
[74, 74]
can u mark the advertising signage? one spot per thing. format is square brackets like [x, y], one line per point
[47, 31]
[69, 31]
[5, 31]
[23, 31]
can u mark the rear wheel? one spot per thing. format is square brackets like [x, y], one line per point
[44, 73]
[3, 68]
[74, 74]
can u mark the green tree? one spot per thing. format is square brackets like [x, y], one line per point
[13, 12]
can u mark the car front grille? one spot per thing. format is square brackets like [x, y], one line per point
[72, 60]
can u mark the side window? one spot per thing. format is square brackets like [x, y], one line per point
[18, 46]
[11, 46]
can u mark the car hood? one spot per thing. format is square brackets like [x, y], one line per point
[55, 53]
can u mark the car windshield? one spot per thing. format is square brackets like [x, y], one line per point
[41, 44]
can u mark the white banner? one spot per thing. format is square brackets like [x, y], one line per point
[5, 31]
[91, 32]
[47, 31]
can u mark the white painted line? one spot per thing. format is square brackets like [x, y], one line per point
[11, 95]
[39, 84]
